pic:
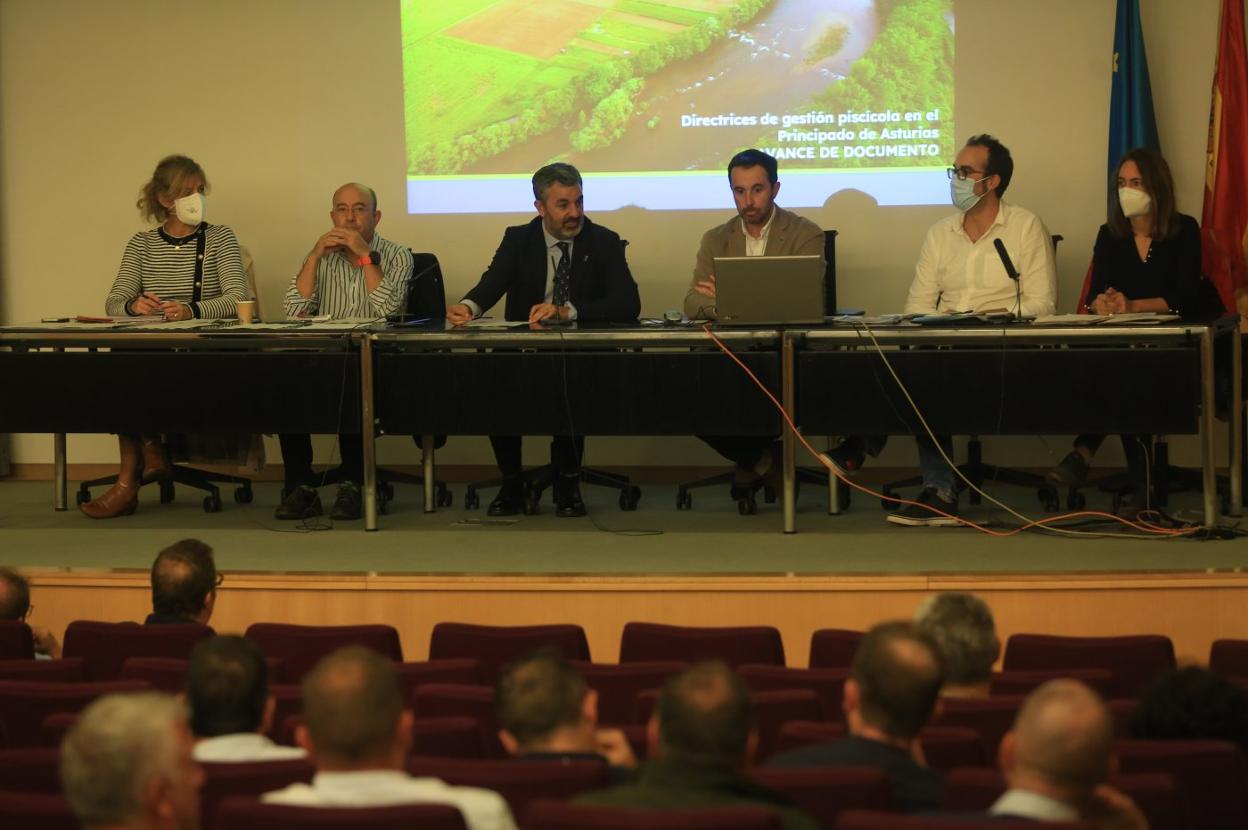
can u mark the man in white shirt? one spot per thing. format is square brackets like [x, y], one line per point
[359, 735]
[960, 269]
[1057, 758]
[227, 689]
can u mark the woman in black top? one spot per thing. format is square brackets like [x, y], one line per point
[1146, 259]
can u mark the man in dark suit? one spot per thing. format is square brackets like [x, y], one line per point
[560, 267]
[890, 694]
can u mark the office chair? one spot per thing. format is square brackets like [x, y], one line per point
[747, 497]
[177, 445]
[978, 472]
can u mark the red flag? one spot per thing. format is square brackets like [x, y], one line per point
[1225, 216]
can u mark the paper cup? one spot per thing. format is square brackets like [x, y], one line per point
[246, 311]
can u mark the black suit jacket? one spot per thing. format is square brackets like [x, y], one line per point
[601, 287]
[915, 788]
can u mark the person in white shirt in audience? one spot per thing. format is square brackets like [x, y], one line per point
[962, 625]
[126, 765]
[1058, 757]
[227, 689]
[546, 712]
[15, 605]
[358, 734]
[959, 269]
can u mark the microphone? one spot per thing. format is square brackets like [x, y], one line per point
[1012, 273]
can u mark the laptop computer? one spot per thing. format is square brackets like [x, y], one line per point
[772, 290]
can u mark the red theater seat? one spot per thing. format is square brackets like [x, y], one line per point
[104, 646]
[556, 815]
[1229, 658]
[31, 770]
[824, 792]
[301, 647]
[833, 648]
[1026, 682]
[1134, 660]
[66, 670]
[497, 645]
[36, 810]
[1213, 776]
[242, 813]
[828, 684]
[735, 645]
[520, 782]
[618, 685]
[17, 641]
[24, 705]
[253, 778]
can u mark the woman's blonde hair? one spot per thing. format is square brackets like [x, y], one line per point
[169, 177]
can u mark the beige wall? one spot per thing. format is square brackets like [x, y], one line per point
[282, 100]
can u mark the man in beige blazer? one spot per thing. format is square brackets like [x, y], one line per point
[760, 228]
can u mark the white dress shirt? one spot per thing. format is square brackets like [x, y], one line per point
[482, 809]
[1027, 804]
[758, 247]
[955, 274]
[243, 746]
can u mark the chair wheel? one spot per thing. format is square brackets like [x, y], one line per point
[166, 493]
[1076, 500]
[442, 496]
[471, 500]
[629, 497]
[243, 495]
[747, 506]
[212, 503]
[82, 496]
[684, 500]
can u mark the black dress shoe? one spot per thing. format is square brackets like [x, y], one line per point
[568, 503]
[509, 501]
[300, 503]
[347, 504]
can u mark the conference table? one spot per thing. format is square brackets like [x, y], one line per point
[434, 380]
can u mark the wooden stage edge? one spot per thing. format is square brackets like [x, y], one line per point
[1193, 608]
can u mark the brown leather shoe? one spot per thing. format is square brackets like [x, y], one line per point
[120, 500]
[155, 462]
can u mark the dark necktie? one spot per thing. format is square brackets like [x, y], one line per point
[563, 275]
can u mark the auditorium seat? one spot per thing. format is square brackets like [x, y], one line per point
[797, 734]
[1025, 682]
[65, 670]
[287, 701]
[17, 641]
[772, 710]
[301, 647]
[990, 717]
[1134, 659]
[735, 645]
[823, 792]
[441, 700]
[54, 728]
[1212, 774]
[497, 645]
[833, 648]
[34, 769]
[520, 783]
[104, 646]
[451, 737]
[559, 815]
[1229, 658]
[1123, 713]
[250, 778]
[36, 810]
[243, 813]
[416, 673]
[167, 674]
[828, 684]
[24, 705]
[1157, 796]
[618, 685]
[869, 820]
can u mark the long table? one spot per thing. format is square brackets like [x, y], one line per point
[616, 381]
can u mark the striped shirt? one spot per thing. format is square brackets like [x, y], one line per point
[340, 290]
[157, 262]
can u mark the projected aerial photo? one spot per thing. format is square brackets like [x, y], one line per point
[496, 88]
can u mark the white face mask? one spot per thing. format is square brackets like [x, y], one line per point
[962, 192]
[1134, 202]
[190, 209]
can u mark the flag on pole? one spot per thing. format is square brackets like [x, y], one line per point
[1225, 215]
[1131, 120]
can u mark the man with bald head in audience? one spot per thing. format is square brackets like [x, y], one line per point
[700, 737]
[15, 605]
[962, 626]
[359, 735]
[126, 765]
[350, 273]
[1058, 757]
[184, 584]
[890, 695]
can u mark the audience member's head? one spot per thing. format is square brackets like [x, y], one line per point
[14, 595]
[704, 716]
[544, 705]
[227, 688]
[1061, 745]
[353, 713]
[893, 684]
[963, 628]
[1193, 703]
[126, 763]
[184, 582]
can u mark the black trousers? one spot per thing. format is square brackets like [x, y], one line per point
[297, 459]
[566, 452]
[743, 450]
[1137, 448]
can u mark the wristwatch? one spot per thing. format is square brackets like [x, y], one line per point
[373, 258]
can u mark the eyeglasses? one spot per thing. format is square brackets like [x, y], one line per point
[220, 579]
[30, 612]
[962, 172]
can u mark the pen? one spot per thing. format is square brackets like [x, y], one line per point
[57, 320]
